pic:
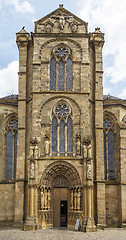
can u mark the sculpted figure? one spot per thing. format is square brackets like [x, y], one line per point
[48, 28]
[88, 171]
[47, 146]
[78, 145]
[36, 153]
[32, 169]
[89, 150]
[31, 152]
[85, 150]
[74, 27]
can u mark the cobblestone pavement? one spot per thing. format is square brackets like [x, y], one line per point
[61, 234]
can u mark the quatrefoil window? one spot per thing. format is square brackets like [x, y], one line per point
[62, 110]
[61, 52]
[107, 123]
[12, 125]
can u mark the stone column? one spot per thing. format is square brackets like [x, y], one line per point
[49, 199]
[71, 199]
[78, 199]
[75, 199]
[42, 198]
[100, 213]
[122, 203]
[90, 226]
[22, 42]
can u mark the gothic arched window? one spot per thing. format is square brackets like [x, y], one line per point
[53, 74]
[62, 131]
[61, 69]
[11, 148]
[109, 148]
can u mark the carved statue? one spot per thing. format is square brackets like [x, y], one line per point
[89, 150]
[32, 169]
[85, 151]
[31, 152]
[36, 152]
[62, 19]
[89, 171]
[78, 145]
[74, 27]
[47, 146]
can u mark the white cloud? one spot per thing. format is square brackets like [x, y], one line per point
[111, 17]
[9, 79]
[21, 7]
[106, 91]
[123, 94]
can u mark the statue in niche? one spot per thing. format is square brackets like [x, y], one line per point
[88, 170]
[78, 145]
[31, 152]
[32, 169]
[48, 27]
[62, 19]
[47, 146]
[74, 27]
[36, 152]
[89, 150]
[85, 150]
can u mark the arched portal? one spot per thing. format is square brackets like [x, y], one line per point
[59, 194]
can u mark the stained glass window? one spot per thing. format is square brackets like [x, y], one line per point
[54, 135]
[69, 135]
[11, 149]
[15, 155]
[62, 130]
[9, 155]
[61, 75]
[62, 110]
[62, 137]
[69, 75]
[111, 160]
[61, 52]
[109, 148]
[53, 74]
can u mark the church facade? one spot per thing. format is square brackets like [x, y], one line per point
[62, 143]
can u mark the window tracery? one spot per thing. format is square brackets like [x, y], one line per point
[62, 130]
[11, 148]
[109, 148]
[61, 69]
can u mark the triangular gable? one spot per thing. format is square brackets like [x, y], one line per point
[60, 18]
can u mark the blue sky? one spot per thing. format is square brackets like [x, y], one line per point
[109, 15]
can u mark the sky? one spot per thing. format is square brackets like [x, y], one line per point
[109, 15]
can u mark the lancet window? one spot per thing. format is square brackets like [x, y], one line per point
[62, 129]
[61, 69]
[109, 148]
[11, 148]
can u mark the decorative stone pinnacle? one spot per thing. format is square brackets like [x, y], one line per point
[60, 5]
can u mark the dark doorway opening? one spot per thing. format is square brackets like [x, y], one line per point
[63, 213]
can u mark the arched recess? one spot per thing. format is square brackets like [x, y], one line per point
[110, 136]
[11, 132]
[48, 117]
[62, 168]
